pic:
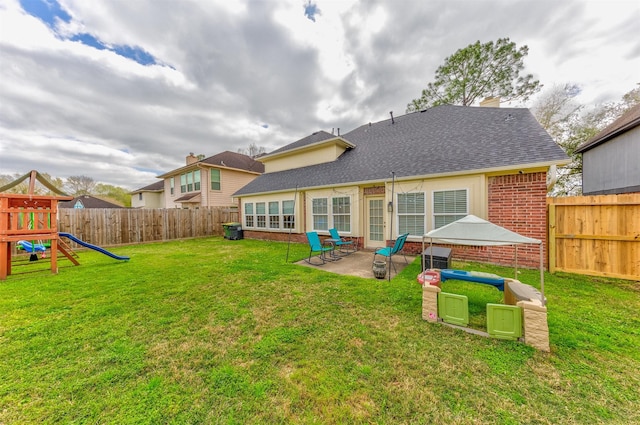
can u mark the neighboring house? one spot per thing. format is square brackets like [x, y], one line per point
[411, 174]
[210, 181]
[610, 159]
[88, 201]
[150, 196]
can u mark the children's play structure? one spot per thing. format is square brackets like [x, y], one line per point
[523, 314]
[29, 220]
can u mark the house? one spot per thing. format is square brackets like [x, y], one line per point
[88, 201]
[610, 159]
[150, 196]
[206, 182]
[409, 174]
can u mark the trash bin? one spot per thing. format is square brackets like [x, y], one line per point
[232, 231]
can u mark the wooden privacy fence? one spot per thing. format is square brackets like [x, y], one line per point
[595, 235]
[118, 226]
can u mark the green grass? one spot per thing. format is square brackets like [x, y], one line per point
[217, 331]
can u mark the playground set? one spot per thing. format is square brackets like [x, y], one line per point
[29, 220]
[523, 316]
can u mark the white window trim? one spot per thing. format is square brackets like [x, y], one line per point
[397, 214]
[433, 214]
[330, 220]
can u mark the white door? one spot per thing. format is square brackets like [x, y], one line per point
[374, 235]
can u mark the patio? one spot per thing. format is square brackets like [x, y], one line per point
[359, 264]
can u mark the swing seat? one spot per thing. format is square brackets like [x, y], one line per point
[31, 247]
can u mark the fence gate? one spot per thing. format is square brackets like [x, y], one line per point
[595, 235]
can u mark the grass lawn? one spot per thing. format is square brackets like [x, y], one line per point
[217, 331]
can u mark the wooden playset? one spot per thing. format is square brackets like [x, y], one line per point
[30, 217]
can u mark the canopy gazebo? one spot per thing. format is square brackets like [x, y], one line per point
[474, 231]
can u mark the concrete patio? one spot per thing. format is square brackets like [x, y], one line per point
[359, 264]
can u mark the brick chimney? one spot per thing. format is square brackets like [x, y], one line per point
[490, 102]
[191, 158]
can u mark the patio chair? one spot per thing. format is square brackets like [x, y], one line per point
[316, 246]
[390, 251]
[346, 247]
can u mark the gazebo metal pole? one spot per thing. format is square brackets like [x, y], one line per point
[393, 183]
[295, 195]
[516, 250]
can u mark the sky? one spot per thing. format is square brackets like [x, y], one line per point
[123, 90]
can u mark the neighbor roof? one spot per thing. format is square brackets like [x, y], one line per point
[626, 122]
[88, 201]
[226, 159]
[443, 139]
[153, 187]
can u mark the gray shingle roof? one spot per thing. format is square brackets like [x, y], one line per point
[443, 139]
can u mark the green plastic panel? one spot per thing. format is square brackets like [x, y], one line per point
[504, 321]
[453, 308]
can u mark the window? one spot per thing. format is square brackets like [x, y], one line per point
[261, 219]
[411, 213]
[449, 206]
[340, 214]
[320, 214]
[190, 181]
[215, 179]
[341, 208]
[274, 215]
[288, 217]
[248, 215]
[172, 183]
[196, 180]
[140, 196]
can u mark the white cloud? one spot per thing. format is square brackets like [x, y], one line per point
[228, 68]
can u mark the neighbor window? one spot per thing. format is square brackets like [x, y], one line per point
[215, 179]
[196, 180]
[411, 213]
[172, 183]
[320, 214]
[449, 206]
[190, 181]
[341, 208]
[261, 218]
[248, 215]
[274, 215]
[288, 217]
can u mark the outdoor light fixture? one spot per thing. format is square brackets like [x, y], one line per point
[390, 206]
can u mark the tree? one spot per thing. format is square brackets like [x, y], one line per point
[118, 194]
[571, 125]
[253, 150]
[478, 71]
[80, 185]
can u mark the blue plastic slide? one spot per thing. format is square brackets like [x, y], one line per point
[94, 247]
[31, 247]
